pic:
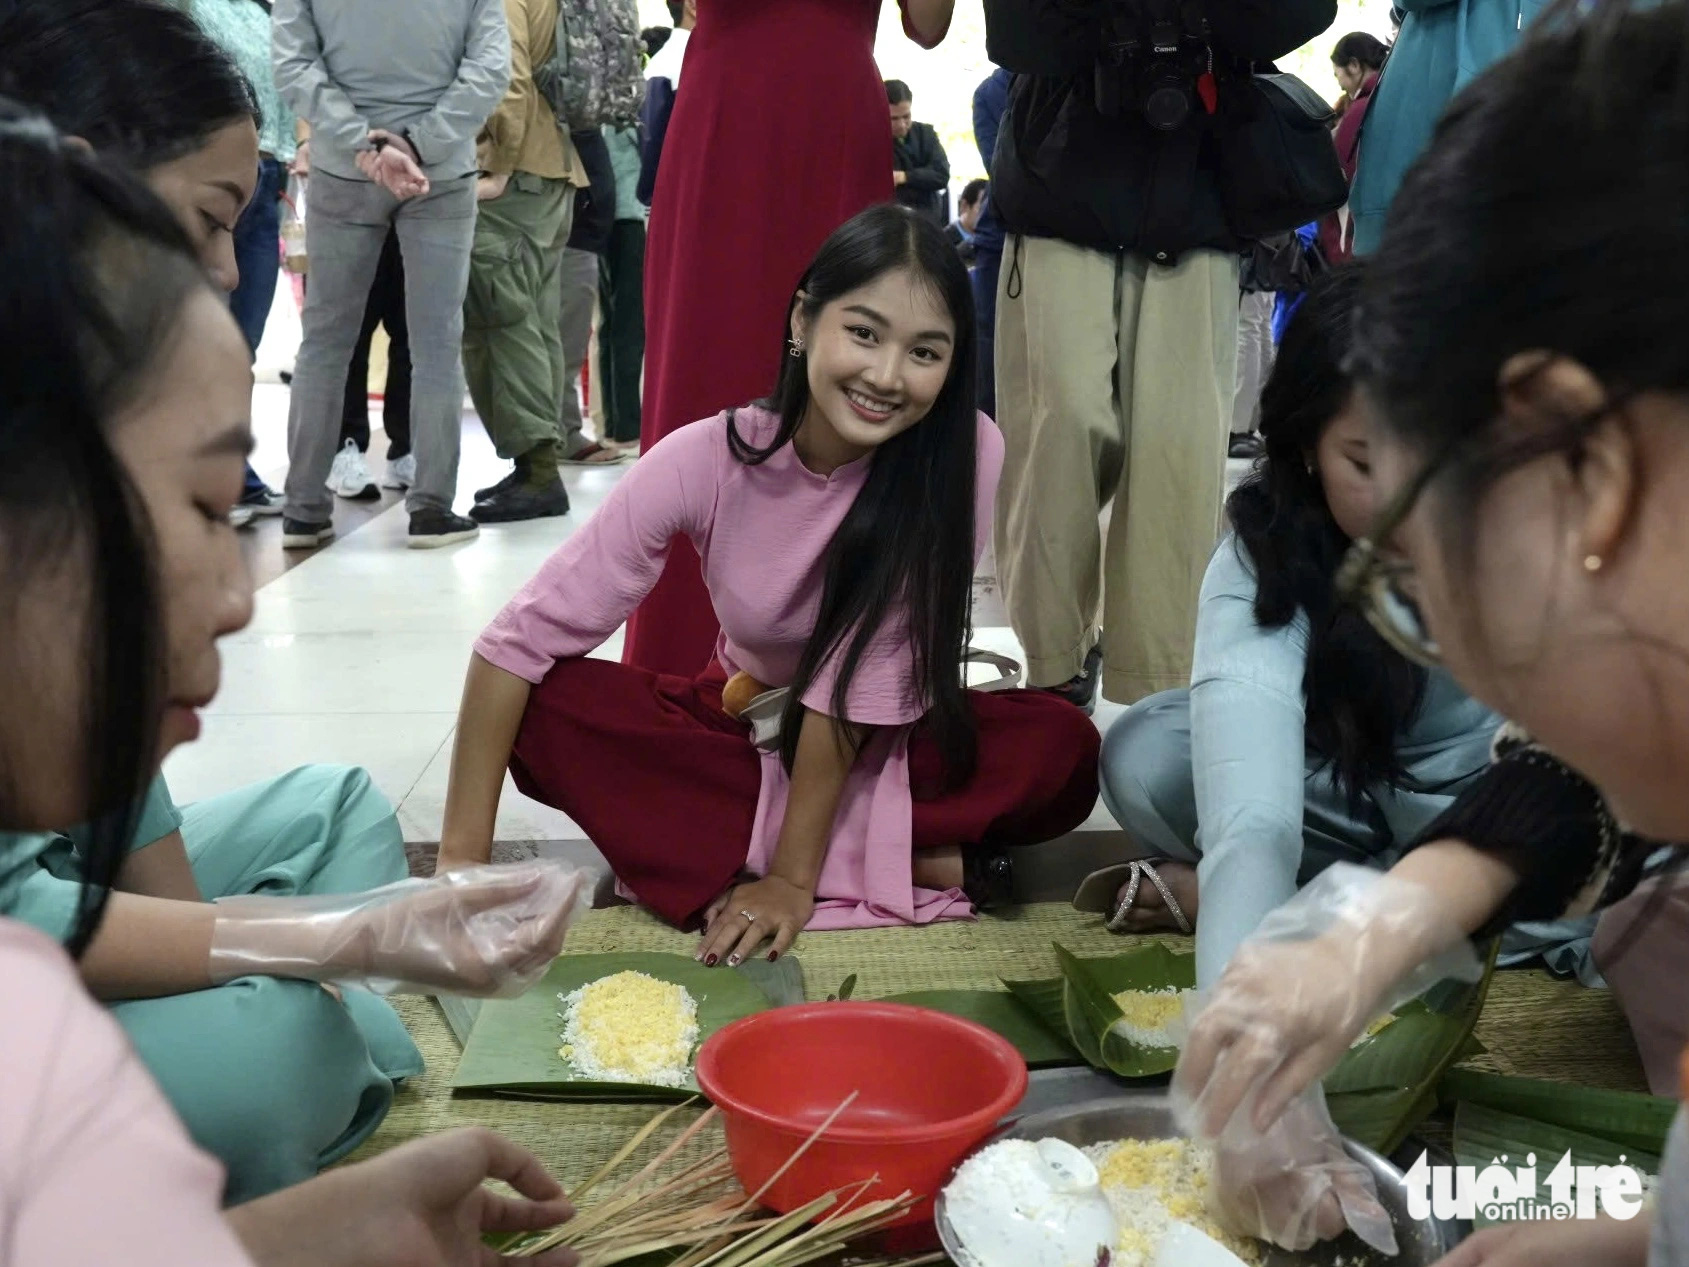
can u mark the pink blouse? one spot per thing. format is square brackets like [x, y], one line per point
[94, 1165]
[761, 533]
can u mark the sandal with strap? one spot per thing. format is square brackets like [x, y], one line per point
[988, 878]
[1096, 894]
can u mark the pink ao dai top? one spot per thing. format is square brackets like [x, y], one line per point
[762, 533]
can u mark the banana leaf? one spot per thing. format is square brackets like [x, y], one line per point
[1639, 1122]
[782, 981]
[1381, 1119]
[1044, 1000]
[513, 1048]
[1004, 1014]
[1387, 1084]
[1484, 1135]
[1397, 1055]
[1093, 1018]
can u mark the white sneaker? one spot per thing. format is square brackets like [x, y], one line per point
[401, 472]
[350, 478]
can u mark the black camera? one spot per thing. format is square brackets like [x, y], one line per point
[1152, 64]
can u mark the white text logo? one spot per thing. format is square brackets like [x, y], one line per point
[1502, 1195]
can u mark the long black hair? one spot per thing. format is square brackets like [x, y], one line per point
[94, 273]
[1359, 46]
[905, 549]
[138, 80]
[1360, 694]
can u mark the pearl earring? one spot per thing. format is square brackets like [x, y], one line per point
[1592, 562]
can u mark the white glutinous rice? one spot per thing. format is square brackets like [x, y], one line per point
[1026, 1203]
[630, 1027]
[1152, 1018]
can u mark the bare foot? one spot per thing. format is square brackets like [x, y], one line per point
[939, 868]
[1149, 914]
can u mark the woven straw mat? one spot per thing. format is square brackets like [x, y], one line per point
[1532, 1025]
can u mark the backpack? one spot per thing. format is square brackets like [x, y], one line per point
[594, 75]
[1282, 263]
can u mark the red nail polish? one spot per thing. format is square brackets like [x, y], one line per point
[709, 961]
[773, 955]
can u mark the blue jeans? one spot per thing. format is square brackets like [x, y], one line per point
[258, 256]
[987, 265]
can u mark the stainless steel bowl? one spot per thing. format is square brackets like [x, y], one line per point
[1146, 1114]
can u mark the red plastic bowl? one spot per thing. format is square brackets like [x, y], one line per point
[930, 1087]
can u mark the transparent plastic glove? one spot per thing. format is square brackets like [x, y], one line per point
[478, 931]
[1349, 947]
[1293, 1184]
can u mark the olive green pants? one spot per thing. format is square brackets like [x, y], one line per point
[512, 345]
[1115, 382]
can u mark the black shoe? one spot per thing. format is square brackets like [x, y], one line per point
[297, 534]
[522, 501]
[1081, 691]
[1246, 444]
[262, 500]
[509, 481]
[433, 528]
[988, 878]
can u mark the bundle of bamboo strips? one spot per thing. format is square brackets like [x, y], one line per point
[702, 1216]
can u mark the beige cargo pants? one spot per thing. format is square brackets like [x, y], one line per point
[1115, 382]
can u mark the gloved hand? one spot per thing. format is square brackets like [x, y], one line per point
[490, 930]
[1348, 948]
[1294, 1184]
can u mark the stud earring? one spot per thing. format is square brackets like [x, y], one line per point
[1592, 562]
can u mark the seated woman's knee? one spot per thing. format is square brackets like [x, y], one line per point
[1146, 758]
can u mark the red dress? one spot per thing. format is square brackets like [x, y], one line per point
[780, 134]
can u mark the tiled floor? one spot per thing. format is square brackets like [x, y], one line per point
[356, 654]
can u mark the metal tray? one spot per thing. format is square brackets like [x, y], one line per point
[1146, 1114]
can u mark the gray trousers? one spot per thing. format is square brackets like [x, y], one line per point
[346, 224]
[579, 281]
[1255, 353]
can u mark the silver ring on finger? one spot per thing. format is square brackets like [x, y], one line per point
[748, 916]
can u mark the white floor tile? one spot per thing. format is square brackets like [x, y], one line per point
[519, 818]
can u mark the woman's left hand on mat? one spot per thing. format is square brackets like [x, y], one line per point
[751, 913]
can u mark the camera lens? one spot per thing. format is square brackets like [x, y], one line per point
[1167, 105]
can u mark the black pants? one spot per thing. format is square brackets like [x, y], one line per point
[386, 307]
[987, 268]
[621, 331]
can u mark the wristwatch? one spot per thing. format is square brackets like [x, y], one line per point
[415, 148]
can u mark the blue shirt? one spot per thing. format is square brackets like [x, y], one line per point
[241, 28]
[1443, 46]
[991, 99]
[1249, 758]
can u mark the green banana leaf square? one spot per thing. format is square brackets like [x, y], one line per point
[1639, 1122]
[1002, 1013]
[1093, 1019]
[1485, 1135]
[513, 1047]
